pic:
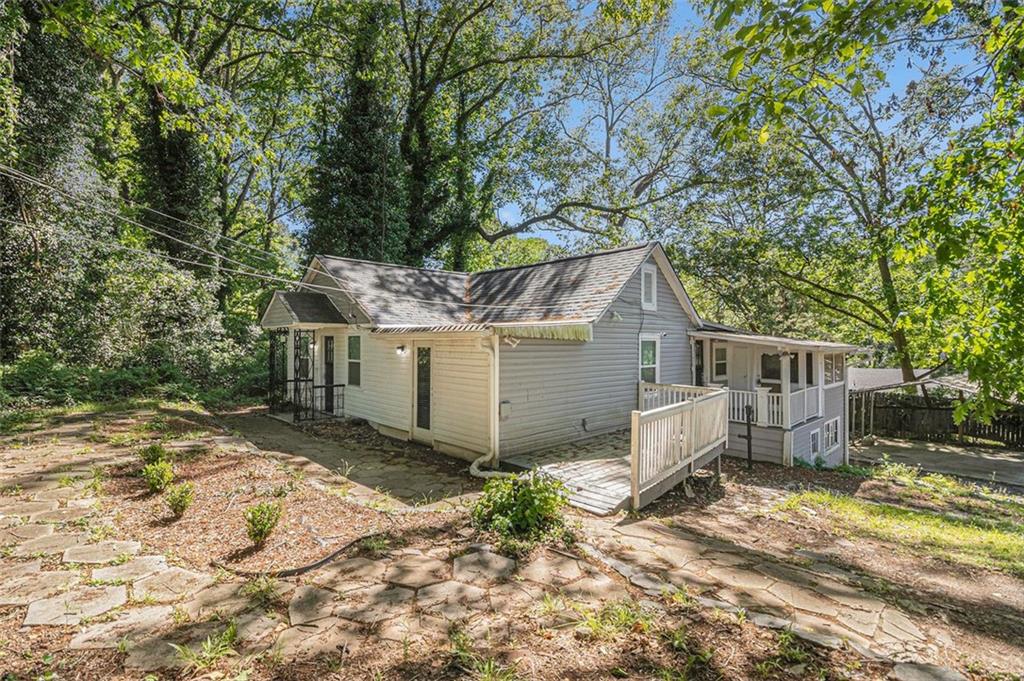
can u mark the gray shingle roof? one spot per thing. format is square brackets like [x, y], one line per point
[311, 308]
[574, 289]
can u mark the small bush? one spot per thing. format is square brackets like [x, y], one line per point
[179, 498]
[521, 508]
[154, 453]
[260, 521]
[158, 475]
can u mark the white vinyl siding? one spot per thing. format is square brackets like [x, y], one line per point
[553, 392]
[385, 377]
[460, 394]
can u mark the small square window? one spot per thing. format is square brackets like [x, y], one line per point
[815, 443]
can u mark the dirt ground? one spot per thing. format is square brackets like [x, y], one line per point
[558, 615]
[980, 610]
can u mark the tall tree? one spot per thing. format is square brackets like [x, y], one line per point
[356, 195]
[862, 135]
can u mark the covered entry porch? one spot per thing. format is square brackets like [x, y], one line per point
[676, 431]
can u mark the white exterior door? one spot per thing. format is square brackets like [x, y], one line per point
[739, 368]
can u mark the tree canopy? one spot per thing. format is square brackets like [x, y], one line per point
[848, 170]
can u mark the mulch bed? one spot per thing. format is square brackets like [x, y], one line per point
[313, 522]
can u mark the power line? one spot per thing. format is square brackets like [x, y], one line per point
[188, 223]
[270, 277]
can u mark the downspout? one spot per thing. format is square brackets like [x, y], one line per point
[490, 346]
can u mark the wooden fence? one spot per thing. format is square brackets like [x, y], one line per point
[912, 418]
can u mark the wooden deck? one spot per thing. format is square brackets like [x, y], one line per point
[595, 471]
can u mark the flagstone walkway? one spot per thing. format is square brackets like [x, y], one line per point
[64, 570]
[820, 602]
[113, 594]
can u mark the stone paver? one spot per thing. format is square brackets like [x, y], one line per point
[101, 552]
[54, 543]
[19, 533]
[71, 607]
[170, 585]
[350, 574]
[35, 584]
[136, 568]
[132, 626]
[416, 571]
[311, 603]
[61, 515]
[483, 567]
[331, 636]
[553, 570]
[27, 508]
[925, 672]
[451, 600]
[375, 603]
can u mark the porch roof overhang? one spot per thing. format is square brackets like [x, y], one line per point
[300, 309]
[777, 342]
[567, 331]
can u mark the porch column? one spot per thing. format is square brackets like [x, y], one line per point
[819, 361]
[784, 366]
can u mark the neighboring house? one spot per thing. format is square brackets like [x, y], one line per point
[525, 358]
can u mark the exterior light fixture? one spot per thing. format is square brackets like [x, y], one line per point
[401, 350]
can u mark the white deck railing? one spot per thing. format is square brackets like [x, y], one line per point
[655, 395]
[767, 409]
[667, 439]
[803, 405]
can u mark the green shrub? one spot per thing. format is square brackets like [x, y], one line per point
[260, 521]
[525, 507]
[154, 453]
[158, 475]
[179, 498]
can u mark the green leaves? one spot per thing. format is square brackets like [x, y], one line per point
[736, 57]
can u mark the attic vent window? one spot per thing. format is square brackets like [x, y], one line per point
[649, 287]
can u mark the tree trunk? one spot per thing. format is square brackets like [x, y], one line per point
[892, 304]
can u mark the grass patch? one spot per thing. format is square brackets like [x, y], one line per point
[477, 666]
[973, 540]
[614, 619]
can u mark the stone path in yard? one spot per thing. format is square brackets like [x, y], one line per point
[371, 471]
[821, 602]
[63, 571]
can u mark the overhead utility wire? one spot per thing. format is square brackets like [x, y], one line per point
[270, 277]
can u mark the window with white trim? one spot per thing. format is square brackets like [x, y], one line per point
[831, 434]
[355, 360]
[721, 363]
[650, 355]
[649, 287]
[834, 367]
[815, 443]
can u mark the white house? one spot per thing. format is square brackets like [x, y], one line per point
[520, 359]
